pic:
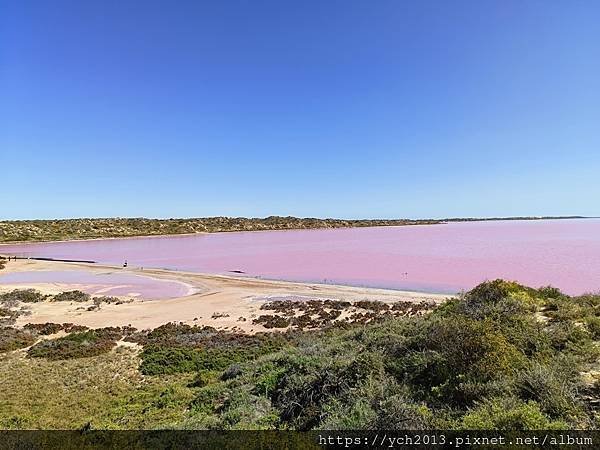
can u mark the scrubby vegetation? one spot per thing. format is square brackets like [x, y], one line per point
[503, 356]
[16, 296]
[81, 344]
[313, 314]
[72, 296]
[48, 230]
[15, 303]
[13, 339]
[11, 306]
[22, 295]
[174, 348]
[52, 328]
[491, 359]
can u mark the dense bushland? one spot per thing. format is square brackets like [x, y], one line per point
[48, 230]
[38, 230]
[503, 356]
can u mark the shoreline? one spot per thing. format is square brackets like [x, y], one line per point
[221, 301]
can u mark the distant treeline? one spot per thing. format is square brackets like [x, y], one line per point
[60, 229]
[483, 219]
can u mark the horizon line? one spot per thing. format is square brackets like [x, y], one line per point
[439, 219]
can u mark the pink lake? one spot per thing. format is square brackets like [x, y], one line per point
[443, 258]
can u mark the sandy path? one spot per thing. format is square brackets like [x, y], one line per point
[230, 297]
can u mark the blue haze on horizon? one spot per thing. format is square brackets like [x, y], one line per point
[349, 109]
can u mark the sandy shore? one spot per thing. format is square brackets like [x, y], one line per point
[224, 302]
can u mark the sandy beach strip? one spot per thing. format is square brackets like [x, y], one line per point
[221, 301]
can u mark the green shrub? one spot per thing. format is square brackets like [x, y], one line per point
[491, 292]
[593, 326]
[233, 371]
[553, 387]
[272, 321]
[44, 328]
[309, 379]
[449, 351]
[572, 338]
[509, 414]
[72, 296]
[169, 360]
[550, 292]
[77, 345]
[8, 316]
[22, 295]
[13, 339]
[176, 348]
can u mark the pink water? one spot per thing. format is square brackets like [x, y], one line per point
[437, 258]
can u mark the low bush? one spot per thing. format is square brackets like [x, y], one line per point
[554, 387]
[52, 328]
[79, 345]
[372, 305]
[44, 328]
[72, 296]
[509, 414]
[14, 339]
[22, 295]
[168, 360]
[8, 316]
[272, 321]
[231, 372]
[106, 299]
[175, 348]
[593, 326]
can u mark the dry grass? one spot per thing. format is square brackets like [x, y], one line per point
[106, 391]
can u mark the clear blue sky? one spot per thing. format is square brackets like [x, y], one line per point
[307, 108]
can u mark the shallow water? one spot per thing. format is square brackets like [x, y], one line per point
[436, 258]
[98, 283]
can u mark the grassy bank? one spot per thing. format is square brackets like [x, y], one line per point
[503, 356]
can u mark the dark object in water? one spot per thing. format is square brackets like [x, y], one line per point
[237, 271]
[61, 260]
